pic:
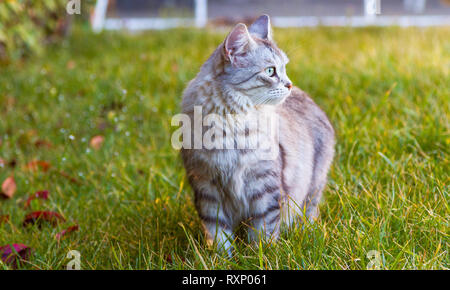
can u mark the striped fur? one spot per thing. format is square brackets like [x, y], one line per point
[232, 186]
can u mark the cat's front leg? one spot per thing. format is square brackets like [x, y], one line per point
[266, 212]
[217, 226]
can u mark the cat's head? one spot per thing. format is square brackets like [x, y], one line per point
[254, 65]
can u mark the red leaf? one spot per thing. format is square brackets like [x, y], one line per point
[66, 231]
[38, 164]
[43, 194]
[4, 219]
[38, 217]
[10, 255]
[70, 64]
[39, 194]
[43, 143]
[72, 179]
[9, 187]
[97, 141]
[168, 258]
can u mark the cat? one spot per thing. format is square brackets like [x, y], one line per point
[246, 76]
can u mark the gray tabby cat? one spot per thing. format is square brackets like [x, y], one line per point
[246, 76]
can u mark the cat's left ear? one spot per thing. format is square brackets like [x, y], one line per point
[261, 27]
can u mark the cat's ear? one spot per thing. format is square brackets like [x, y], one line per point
[238, 43]
[261, 27]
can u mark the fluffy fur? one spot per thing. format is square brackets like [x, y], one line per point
[238, 185]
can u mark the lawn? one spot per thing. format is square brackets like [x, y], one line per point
[386, 91]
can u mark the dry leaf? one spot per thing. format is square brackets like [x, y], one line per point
[38, 164]
[10, 255]
[66, 231]
[70, 64]
[168, 258]
[97, 142]
[72, 179]
[38, 217]
[9, 187]
[4, 219]
[43, 194]
[43, 143]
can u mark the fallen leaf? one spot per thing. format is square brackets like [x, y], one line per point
[39, 194]
[97, 142]
[38, 164]
[43, 194]
[168, 258]
[70, 64]
[10, 255]
[72, 179]
[43, 143]
[66, 231]
[4, 219]
[8, 187]
[38, 217]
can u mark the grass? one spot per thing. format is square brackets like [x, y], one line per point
[386, 91]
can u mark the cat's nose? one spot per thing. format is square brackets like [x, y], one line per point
[288, 85]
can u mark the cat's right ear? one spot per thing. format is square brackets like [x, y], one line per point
[238, 43]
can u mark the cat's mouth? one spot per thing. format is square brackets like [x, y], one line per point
[277, 96]
[271, 97]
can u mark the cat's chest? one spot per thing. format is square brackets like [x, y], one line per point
[252, 141]
[231, 163]
[232, 168]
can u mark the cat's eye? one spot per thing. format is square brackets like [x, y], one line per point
[270, 71]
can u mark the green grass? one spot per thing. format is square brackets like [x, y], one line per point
[386, 91]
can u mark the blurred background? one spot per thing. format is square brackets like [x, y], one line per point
[144, 14]
[26, 25]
